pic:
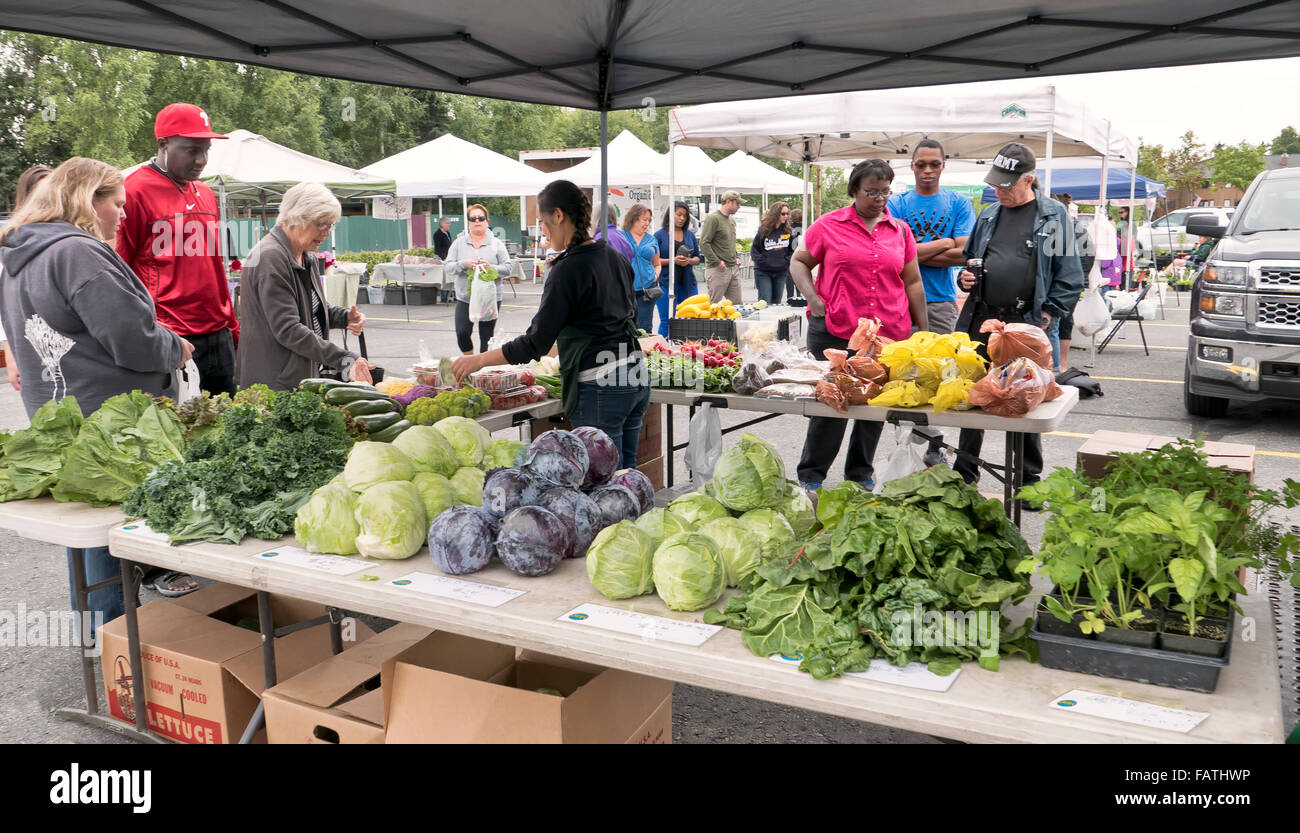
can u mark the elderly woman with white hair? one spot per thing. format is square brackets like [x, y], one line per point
[284, 320]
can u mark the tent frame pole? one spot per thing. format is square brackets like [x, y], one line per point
[672, 231]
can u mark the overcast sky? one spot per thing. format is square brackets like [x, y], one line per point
[1244, 101]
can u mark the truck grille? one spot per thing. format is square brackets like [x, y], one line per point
[1279, 277]
[1276, 313]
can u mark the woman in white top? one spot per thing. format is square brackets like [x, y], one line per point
[474, 247]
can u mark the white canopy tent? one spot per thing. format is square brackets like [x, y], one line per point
[747, 174]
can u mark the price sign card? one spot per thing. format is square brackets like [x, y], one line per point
[643, 625]
[1128, 711]
[915, 675]
[335, 565]
[457, 589]
[142, 529]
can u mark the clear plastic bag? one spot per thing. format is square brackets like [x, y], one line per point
[705, 444]
[187, 382]
[482, 299]
[1091, 315]
[1014, 389]
[788, 390]
[905, 458]
[751, 379]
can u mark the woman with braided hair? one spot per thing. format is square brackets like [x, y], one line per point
[588, 310]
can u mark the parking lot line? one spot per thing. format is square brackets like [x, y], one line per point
[412, 321]
[1131, 379]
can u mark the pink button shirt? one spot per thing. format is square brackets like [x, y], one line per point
[861, 274]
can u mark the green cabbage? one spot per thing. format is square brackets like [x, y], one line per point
[738, 547]
[771, 530]
[468, 483]
[619, 561]
[688, 572]
[501, 454]
[749, 475]
[468, 439]
[327, 522]
[798, 510]
[370, 463]
[698, 508]
[392, 521]
[661, 523]
[438, 492]
[428, 449]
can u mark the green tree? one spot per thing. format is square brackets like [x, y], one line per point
[1152, 162]
[1185, 164]
[1288, 141]
[1237, 165]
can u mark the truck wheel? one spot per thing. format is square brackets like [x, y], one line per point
[1201, 406]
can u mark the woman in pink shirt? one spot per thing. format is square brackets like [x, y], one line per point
[868, 269]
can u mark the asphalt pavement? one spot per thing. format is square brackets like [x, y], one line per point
[1142, 393]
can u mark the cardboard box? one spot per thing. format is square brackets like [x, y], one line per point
[1096, 454]
[203, 672]
[338, 701]
[655, 470]
[650, 443]
[453, 689]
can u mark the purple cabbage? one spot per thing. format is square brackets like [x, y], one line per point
[602, 455]
[617, 503]
[532, 541]
[579, 513]
[638, 484]
[559, 458]
[461, 540]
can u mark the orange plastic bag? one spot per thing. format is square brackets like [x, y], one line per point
[1014, 389]
[856, 391]
[866, 339]
[1017, 341]
[865, 367]
[838, 360]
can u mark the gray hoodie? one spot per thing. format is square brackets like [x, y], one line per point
[79, 321]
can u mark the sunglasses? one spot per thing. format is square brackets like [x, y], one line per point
[921, 166]
[479, 219]
[784, 213]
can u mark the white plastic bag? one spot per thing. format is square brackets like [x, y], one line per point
[1121, 302]
[705, 444]
[482, 299]
[1091, 315]
[187, 382]
[906, 457]
[1147, 308]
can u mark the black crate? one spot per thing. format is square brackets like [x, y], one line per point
[422, 295]
[363, 295]
[701, 329]
[394, 295]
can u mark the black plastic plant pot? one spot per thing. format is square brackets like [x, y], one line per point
[1047, 623]
[1143, 632]
[1127, 662]
[1213, 635]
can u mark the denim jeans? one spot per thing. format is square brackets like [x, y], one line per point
[825, 434]
[645, 313]
[617, 410]
[771, 285]
[685, 289]
[1054, 338]
[107, 602]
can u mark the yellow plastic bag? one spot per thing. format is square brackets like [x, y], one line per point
[929, 372]
[971, 364]
[898, 394]
[953, 395]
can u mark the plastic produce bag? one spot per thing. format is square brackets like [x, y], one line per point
[187, 382]
[904, 459]
[797, 376]
[1147, 308]
[1091, 315]
[787, 390]
[750, 379]
[953, 395]
[865, 367]
[1016, 341]
[1121, 302]
[900, 394]
[866, 339]
[482, 299]
[1014, 389]
[705, 444]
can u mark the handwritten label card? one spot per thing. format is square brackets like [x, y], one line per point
[1128, 711]
[915, 675]
[643, 625]
[457, 589]
[335, 565]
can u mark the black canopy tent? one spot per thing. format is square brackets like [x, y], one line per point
[616, 54]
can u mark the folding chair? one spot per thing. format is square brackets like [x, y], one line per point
[1132, 315]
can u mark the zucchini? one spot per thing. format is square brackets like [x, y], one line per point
[377, 422]
[322, 385]
[370, 407]
[387, 435]
[343, 394]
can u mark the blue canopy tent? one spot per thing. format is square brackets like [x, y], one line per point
[1084, 185]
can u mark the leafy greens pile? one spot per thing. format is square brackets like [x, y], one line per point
[894, 576]
[250, 476]
[33, 457]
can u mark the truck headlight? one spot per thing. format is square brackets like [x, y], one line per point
[1226, 274]
[1223, 304]
[1216, 354]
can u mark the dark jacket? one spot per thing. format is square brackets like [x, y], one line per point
[95, 322]
[441, 243]
[1059, 276]
[773, 252]
[278, 347]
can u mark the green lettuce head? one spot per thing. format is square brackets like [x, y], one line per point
[660, 523]
[438, 492]
[770, 530]
[468, 439]
[501, 454]
[798, 510]
[327, 522]
[619, 561]
[468, 483]
[370, 463]
[428, 449]
[739, 549]
[749, 475]
[698, 508]
[392, 521]
[688, 572]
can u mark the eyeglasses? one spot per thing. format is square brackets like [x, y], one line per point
[933, 165]
[478, 219]
[324, 226]
[875, 195]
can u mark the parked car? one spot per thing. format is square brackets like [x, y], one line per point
[1244, 343]
[1170, 234]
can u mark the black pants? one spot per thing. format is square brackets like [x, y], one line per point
[825, 434]
[971, 440]
[465, 330]
[214, 356]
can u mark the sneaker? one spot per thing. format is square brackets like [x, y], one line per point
[867, 484]
[811, 487]
[1028, 505]
[935, 457]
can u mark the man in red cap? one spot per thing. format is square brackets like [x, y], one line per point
[171, 237]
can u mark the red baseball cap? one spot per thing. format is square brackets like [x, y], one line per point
[186, 120]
